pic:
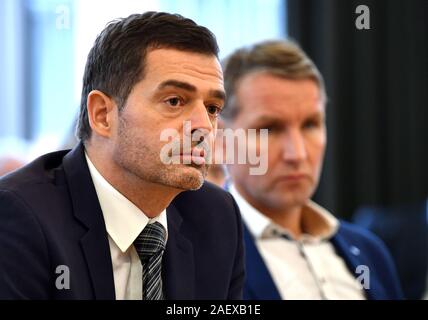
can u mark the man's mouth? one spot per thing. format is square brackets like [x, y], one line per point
[196, 156]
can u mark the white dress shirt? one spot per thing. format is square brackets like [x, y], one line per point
[303, 269]
[124, 222]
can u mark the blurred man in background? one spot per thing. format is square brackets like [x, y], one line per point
[295, 249]
[9, 164]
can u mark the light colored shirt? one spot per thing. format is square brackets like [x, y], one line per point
[307, 268]
[124, 222]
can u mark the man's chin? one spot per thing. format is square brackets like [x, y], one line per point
[296, 200]
[190, 184]
[290, 198]
[192, 178]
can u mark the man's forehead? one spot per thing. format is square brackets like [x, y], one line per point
[178, 61]
[274, 116]
[273, 85]
[264, 93]
[266, 111]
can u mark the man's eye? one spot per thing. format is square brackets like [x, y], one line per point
[213, 110]
[174, 102]
[272, 128]
[311, 124]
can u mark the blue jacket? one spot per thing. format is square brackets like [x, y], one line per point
[355, 245]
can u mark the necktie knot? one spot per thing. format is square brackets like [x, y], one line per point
[151, 241]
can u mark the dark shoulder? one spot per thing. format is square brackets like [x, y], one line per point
[360, 235]
[41, 171]
[210, 200]
[210, 217]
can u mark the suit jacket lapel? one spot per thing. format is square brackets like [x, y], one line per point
[258, 282]
[354, 257]
[87, 210]
[178, 261]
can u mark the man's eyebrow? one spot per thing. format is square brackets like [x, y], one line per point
[273, 120]
[267, 120]
[219, 94]
[177, 84]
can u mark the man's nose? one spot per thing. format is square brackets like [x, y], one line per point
[293, 146]
[200, 120]
[198, 126]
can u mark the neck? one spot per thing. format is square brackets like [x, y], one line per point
[149, 197]
[289, 218]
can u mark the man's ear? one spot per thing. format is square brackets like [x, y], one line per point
[101, 113]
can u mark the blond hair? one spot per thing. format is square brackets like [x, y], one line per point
[284, 59]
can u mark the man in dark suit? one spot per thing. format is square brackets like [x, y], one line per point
[126, 214]
[295, 249]
[404, 230]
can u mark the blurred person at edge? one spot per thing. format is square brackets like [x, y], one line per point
[295, 249]
[9, 164]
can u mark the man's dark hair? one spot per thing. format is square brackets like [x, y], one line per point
[116, 62]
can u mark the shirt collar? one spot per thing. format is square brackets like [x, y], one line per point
[124, 220]
[254, 219]
[321, 223]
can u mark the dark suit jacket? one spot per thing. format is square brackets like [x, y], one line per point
[50, 216]
[404, 230]
[355, 245]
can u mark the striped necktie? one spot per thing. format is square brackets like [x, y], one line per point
[150, 245]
